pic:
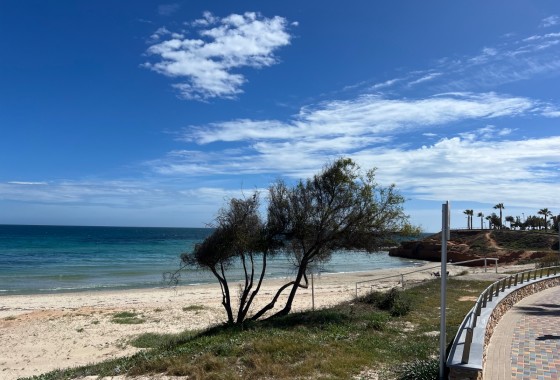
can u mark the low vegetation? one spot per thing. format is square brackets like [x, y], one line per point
[390, 333]
[127, 318]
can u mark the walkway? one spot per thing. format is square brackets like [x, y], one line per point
[526, 341]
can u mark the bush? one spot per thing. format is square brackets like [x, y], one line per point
[420, 370]
[401, 306]
[377, 321]
[393, 301]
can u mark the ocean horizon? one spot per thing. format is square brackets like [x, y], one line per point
[37, 259]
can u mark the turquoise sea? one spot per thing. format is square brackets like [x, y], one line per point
[50, 259]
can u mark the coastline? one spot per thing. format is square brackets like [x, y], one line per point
[43, 332]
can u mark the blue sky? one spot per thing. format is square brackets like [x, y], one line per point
[154, 114]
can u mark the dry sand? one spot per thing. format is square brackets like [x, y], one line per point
[39, 333]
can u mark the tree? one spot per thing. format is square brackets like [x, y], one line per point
[239, 234]
[494, 221]
[340, 208]
[500, 206]
[469, 214]
[510, 220]
[545, 213]
[481, 216]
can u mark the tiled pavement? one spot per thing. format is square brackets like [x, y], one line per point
[526, 341]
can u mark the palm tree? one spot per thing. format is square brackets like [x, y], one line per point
[469, 214]
[481, 215]
[500, 206]
[545, 212]
[489, 219]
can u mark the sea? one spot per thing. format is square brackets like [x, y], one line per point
[54, 259]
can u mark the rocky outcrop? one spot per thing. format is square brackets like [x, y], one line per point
[464, 245]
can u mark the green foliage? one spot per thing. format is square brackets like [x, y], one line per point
[127, 318]
[378, 321]
[524, 240]
[340, 208]
[427, 369]
[393, 301]
[193, 308]
[334, 343]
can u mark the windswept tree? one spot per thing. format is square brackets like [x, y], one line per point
[545, 213]
[239, 237]
[500, 206]
[341, 208]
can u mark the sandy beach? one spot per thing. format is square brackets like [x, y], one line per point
[40, 333]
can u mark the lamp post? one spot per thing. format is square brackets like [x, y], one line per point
[445, 235]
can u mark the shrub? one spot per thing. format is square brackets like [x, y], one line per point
[393, 301]
[377, 321]
[420, 370]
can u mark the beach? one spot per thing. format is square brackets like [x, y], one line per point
[43, 332]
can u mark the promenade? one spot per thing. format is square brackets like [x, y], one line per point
[526, 341]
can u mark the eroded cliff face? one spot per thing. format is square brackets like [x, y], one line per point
[465, 245]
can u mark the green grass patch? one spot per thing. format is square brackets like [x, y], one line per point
[193, 308]
[525, 240]
[335, 343]
[10, 318]
[127, 318]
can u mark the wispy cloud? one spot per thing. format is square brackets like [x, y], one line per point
[365, 116]
[510, 61]
[23, 183]
[168, 9]
[206, 64]
[550, 21]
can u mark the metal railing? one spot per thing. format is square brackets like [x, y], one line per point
[493, 291]
[401, 275]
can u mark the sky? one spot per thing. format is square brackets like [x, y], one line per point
[156, 113]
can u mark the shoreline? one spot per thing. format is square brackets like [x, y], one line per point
[43, 332]
[160, 286]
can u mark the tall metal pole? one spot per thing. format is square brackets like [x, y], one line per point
[445, 235]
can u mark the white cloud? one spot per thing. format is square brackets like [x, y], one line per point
[425, 78]
[27, 183]
[205, 64]
[364, 116]
[550, 21]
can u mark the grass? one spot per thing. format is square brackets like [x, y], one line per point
[525, 240]
[127, 318]
[193, 308]
[10, 318]
[334, 343]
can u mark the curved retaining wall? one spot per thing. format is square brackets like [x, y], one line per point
[486, 322]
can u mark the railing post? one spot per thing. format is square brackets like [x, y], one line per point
[491, 293]
[485, 298]
[509, 283]
[504, 284]
[535, 277]
[522, 275]
[497, 288]
[516, 277]
[402, 280]
[485, 265]
[467, 346]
